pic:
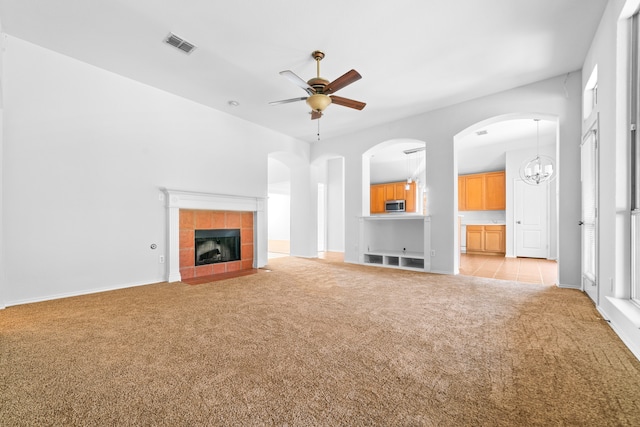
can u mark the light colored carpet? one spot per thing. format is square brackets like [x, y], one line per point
[317, 343]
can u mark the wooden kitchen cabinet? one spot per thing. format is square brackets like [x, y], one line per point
[474, 195]
[380, 193]
[482, 192]
[462, 191]
[377, 198]
[410, 198]
[475, 238]
[395, 191]
[486, 239]
[494, 236]
[494, 194]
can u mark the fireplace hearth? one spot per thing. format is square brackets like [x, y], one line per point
[215, 246]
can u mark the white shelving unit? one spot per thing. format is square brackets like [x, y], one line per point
[396, 241]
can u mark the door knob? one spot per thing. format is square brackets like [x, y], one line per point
[518, 222]
[580, 222]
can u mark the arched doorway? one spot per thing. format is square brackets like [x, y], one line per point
[278, 208]
[329, 172]
[396, 160]
[503, 143]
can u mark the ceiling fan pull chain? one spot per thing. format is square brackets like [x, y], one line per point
[318, 129]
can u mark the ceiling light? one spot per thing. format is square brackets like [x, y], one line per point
[318, 102]
[541, 168]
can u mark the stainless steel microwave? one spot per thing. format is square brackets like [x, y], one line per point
[394, 206]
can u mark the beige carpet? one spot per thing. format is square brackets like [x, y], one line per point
[318, 343]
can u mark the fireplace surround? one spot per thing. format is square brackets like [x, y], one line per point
[237, 212]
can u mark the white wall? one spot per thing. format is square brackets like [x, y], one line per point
[85, 153]
[278, 211]
[335, 205]
[558, 96]
[609, 52]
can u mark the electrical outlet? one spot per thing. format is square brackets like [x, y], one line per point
[433, 252]
[161, 259]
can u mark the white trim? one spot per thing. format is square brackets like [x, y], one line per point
[83, 292]
[564, 286]
[625, 314]
[179, 199]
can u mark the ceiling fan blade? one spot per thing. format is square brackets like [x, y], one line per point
[346, 102]
[315, 114]
[293, 77]
[286, 101]
[342, 81]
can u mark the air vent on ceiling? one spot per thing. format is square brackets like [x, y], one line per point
[179, 43]
[414, 150]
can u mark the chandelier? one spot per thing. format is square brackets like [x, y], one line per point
[541, 168]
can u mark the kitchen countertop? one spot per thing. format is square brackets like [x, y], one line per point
[483, 222]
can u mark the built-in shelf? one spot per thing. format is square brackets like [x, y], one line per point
[407, 260]
[396, 241]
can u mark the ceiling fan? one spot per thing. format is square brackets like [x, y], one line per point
[320, 89]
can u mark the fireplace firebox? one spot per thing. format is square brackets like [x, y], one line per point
[213, 246]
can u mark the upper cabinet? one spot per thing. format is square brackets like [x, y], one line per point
[482, 191]
[377, 198]
[494, 198]
[380, 193]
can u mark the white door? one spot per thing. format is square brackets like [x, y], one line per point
[589, 221]
[531, 216]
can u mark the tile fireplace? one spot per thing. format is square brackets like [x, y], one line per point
[216, 218]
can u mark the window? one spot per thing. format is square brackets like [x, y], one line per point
[635, 158]
[590, 95]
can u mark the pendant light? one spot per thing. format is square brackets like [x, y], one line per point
[541, 168]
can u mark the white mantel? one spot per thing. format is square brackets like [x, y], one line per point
[178, 199]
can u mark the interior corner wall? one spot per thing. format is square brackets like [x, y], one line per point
[559, 96]
[85, 153]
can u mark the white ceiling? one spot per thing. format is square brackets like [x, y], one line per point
[486, 152]
[414, 55]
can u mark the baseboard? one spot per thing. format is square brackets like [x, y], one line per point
[565, 286]
[633, 347]
[79, 293]
[449, 273]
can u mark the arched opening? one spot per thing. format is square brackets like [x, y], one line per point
[278, 208]
[527, 221]
[400, 160]
[330, 182]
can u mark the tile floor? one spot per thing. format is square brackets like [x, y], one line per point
[526, 270]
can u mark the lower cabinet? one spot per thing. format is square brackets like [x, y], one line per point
[486, 239]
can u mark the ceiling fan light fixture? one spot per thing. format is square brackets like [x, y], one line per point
[318, 101]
